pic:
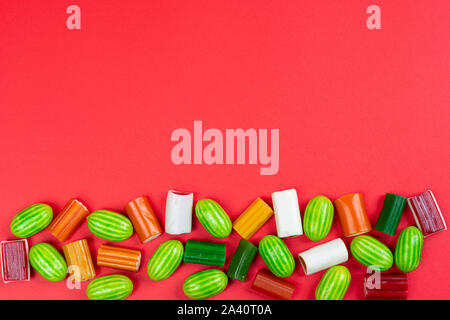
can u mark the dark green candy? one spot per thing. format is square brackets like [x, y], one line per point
[390, 214]
[202, 252]
[242, 259]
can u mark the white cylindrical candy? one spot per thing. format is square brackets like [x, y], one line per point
[179, 212]
[287, 213]
[323, 256]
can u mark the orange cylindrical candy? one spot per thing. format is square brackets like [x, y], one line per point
[253, 218]
[118, 258]
[352, 214]
[79, 260]
[277, 288]
[143, 219]
[70, 217]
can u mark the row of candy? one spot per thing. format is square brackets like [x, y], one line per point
[317, 223]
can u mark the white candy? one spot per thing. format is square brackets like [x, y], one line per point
[323, 256]
[179, 212]
[287, 213]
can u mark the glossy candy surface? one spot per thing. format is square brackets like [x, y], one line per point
[408, 250]
[165, 260]
[213, 218]
[318, 218]
[334, 284]
[371, 253]
[48, 262]
[109, 225]
[31, 220]
[205, 284]
[277, 256]
[112, 287]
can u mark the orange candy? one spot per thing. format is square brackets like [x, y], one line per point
[118, 258]
[253, 218]
[79, 260]
[352, 214]
[143, 219]
[68, 220]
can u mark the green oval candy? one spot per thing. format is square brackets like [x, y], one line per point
[371, 253]
[277, 256]
[110, 225]
[205, 284]
[165, 260]
[213, 218]
[112, 287]
[334, 284]
[31, 220]
[408, 250]
[48, 262]
[318, 218]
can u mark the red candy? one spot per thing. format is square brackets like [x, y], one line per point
[427, 214]
[15, 265]
[388, 286]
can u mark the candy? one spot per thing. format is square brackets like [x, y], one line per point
[68, 220]
[109, 225]
[323, 256]
[390, 214]
[408, 250]
[14, 257]
[287, 213]
[165, 260]
[143, 219]
[202, 252]
[31, 220]
[179, 212]
[79, 260]
[118, 258]
[318, 218]
[272, 286]
[213, 218]
[277, 256]
[112, 287]
[48, 262]
[205, 284]
[386, 286]
[371, 253]
[427, 214]
[253, 218]
[241, 260]
[334, 284]
[352, 214]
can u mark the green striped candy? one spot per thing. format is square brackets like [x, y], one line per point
[334, 284]
[408, 250]
[371, 253]
[31, 220]
[165, 260]
[318, 218]
[277, 256]
[205, 284]
[213, 218]
[113, 287]
[48, 262]
[110, 225]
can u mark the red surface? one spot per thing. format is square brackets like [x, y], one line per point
[89, 114]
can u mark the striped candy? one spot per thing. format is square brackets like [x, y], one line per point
[371, 253]
[277, 256]
[110, 225]
[113, 287]
[165, 260]
[334, 284]
[31, 220]
[213, 218]
[205, 284]
[408, 250]
[48, 262]
[318, 218]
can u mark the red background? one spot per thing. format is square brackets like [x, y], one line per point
[89, 113]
